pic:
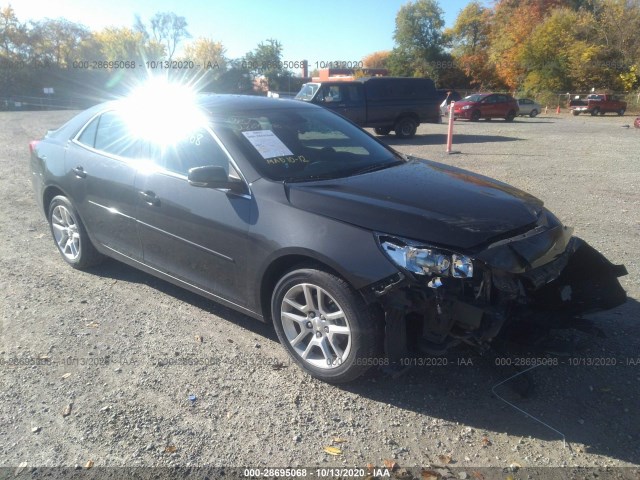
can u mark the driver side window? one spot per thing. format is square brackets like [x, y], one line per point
[331, 93]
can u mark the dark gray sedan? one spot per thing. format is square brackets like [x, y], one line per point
[293, 215]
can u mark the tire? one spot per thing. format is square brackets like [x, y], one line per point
[406, 127]
[575, 113]
[70, 236]
[595, 112]
[305, 331]
[475, 116]
[533, 113]
[488, 119]
[510, 116]
[621, 112]
[382, 130]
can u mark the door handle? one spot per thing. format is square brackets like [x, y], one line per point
[150, 197]
[79, 172]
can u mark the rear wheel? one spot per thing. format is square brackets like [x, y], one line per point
[324, 325]
[70, 235]
[533, 113]
[475, 115]
[621, 112]
[510, 116]
[382, 130]
[406, 127]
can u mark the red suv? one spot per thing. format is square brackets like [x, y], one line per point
[486, 105]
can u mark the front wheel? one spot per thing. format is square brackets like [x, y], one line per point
[595, 112]
[575, 113]
[621, 112]
[70, 236]
[406, 127]
[510, 116]
[475, 115]
[533, 113]
[324, 325]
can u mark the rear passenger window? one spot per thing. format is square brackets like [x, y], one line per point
[112, 136]
[88, 136]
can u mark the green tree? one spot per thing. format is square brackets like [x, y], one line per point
[265, 61]
[56, 41]
[419, 39]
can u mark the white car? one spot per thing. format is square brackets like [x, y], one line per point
[529, 107]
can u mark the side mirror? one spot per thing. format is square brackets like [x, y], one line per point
[209, 177]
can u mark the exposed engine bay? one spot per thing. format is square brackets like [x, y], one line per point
[526, 285]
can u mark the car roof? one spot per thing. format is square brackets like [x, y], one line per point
[212, 103]
[222, 102]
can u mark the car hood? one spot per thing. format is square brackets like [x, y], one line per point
[424, 201]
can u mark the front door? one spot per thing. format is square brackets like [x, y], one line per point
[195, 234]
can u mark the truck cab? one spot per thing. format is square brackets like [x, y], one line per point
[382, 103]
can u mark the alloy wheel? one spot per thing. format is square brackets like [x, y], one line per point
[65, 232]
[316, 326]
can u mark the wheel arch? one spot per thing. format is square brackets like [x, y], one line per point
[276, 269]
[49, 193]
[407, 114]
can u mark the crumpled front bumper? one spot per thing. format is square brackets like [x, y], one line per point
[541, 280]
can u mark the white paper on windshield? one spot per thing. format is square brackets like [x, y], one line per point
[267, 144]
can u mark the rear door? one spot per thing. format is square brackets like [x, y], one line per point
[103, 159]
[198, 235]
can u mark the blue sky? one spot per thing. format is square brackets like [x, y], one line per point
[326, 30]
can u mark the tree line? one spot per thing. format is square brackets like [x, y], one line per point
[72, 60]
[528, 46]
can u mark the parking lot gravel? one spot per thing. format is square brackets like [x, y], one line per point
[112, 367]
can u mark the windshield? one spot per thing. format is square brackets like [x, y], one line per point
[307, 91]
[473, 98]
[302, 144]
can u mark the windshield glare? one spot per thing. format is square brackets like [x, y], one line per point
[473, 98]
[307, 91]
[302, 144]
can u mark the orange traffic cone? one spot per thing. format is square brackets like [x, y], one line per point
[558, 109]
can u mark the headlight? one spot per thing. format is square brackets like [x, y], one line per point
[426, 261]
[466, 107]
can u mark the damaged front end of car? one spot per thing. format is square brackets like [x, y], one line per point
[523, 286]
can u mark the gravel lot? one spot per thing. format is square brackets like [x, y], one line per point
[99, 365]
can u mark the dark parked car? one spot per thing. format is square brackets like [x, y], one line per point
[383, 103]
[288, 213]
[487, 106]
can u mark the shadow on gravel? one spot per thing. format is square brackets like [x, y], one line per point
[122, 272]
[441, 139]
[590, 395]
[587, 388]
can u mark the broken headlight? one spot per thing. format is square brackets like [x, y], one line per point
[425, 260]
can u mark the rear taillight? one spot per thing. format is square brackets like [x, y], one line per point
[32, 145]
